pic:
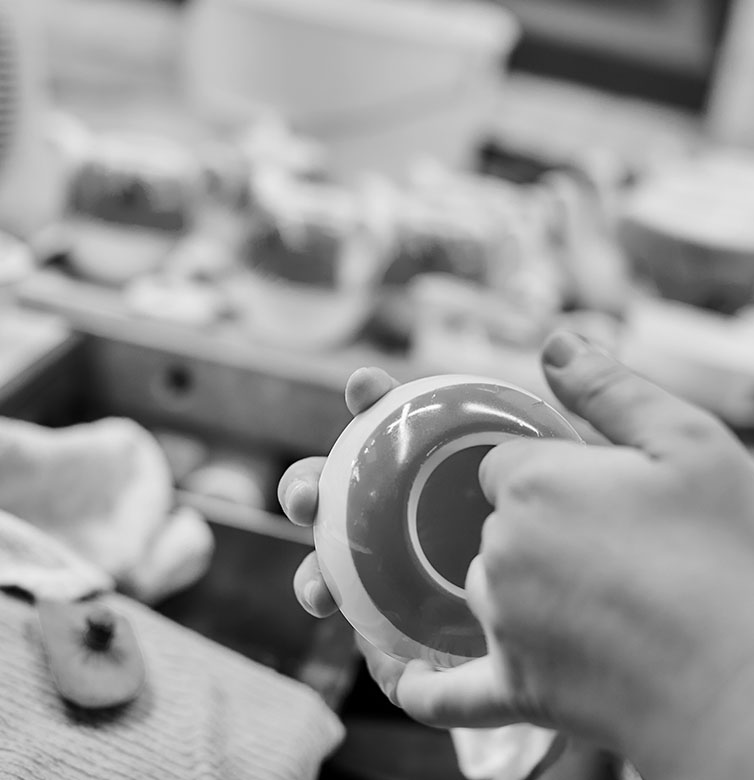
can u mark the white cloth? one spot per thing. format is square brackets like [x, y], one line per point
[507, 753]
[36, 563]
[105, 491]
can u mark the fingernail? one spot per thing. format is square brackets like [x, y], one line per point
[296, 490]
[562, 348]
[308, 594]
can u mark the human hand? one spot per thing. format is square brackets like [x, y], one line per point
[298, 495]
[298, 491]
[612, 583]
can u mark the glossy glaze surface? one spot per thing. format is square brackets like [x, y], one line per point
[401, 511]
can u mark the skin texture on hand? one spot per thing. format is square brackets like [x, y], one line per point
[613, 582]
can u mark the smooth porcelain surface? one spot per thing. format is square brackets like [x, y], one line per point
[401, 511]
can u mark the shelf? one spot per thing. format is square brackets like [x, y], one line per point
[214, 382]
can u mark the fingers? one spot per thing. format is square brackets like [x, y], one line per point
[474, 695]
[625, 408]
[365, 387]
[476, 589]
[527, 465]
[298, 493]
[298, 490]
[384, 670]
[310, 588]
[470, 696]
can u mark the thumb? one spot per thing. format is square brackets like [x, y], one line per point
[625, 408]
[469, 696]
[478, 694]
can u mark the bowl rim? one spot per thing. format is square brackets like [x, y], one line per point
[465, 24]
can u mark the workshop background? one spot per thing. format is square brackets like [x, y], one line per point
[213, 211]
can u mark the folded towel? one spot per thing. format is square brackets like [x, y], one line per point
[35, 563]
[105, 490]
[507, 753]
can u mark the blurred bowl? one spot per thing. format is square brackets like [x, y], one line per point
[702, 356]
[311, 266]
[131, 199]
[297, 316]
[690, 230]
[379, 81]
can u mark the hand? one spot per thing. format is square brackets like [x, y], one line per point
[298, 495]
[609, 583]
[613, 583]
[299, 489]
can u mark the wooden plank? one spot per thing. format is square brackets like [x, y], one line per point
[100, 312]
[257, 405]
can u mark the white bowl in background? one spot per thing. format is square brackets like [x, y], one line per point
[379, 81]
[689, 228]
[114, 236]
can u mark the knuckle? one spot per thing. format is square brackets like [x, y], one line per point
[498, 463]
[606, 381]
[702, 429]
[704, 442]
[509, 550]
[435, 710]
[500, 537]
[528, 483]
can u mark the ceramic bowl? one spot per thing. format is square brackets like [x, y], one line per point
[401, 511]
